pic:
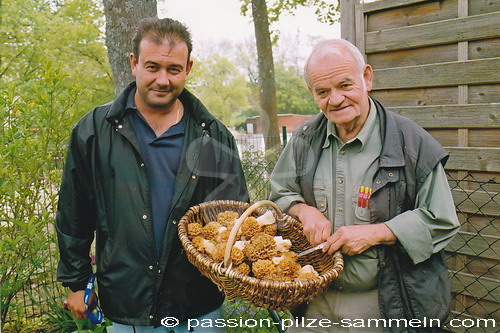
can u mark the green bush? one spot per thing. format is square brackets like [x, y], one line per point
[32, 147]
[37, 118]
[53, 68]
[244, 317]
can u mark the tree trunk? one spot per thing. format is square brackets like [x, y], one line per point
[266, 75]
[122, 16]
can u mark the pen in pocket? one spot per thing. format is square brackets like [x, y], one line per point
[364, 196]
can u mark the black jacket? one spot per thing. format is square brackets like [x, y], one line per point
[409, 154]
[105, 190]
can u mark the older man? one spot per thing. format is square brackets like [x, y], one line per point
[371, 184]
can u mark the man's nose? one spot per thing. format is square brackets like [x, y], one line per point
[336, 98]
[162, 78]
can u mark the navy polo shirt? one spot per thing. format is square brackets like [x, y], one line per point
[161, 156]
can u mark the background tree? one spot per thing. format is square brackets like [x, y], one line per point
[262, 18]
[266, 75]
[121, 17]
[292, 95]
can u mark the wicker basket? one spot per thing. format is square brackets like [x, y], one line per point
[263, 293]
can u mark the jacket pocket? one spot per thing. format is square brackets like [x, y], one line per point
[104, 255]
[428, 287]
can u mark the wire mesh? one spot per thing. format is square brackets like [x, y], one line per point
[473, 256]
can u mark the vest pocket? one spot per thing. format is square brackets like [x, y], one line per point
[362, 215]
[321, 199]
[361, 203]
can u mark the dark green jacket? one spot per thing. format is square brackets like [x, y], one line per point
[409, 154]
[105, 190]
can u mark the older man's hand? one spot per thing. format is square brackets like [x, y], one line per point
[355, 239]
[317, 228]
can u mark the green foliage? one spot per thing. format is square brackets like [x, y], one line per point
[56, 319]
[292, 95]
[258, 320]
[221, 88]
[326, 10]
[53, 68]
[34, 131]
[69, 33]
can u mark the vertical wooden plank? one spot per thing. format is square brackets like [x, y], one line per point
[360, 19]
[347, 20]
[463, 134]
[463, 92]
[463, 138]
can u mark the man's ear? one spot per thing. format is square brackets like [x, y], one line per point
[133, 62]
[189, 67]
[368, 76]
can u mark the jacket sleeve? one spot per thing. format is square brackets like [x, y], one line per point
[431, 225]
[75, 217]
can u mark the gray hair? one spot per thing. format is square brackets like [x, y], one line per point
[335, 44]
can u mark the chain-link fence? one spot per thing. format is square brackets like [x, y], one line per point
[473, 257]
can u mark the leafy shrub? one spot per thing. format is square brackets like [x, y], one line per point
[53, 69]
[32, 146]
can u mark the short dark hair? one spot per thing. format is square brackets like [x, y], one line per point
[157, 30]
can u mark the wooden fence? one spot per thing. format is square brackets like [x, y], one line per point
[438, 63]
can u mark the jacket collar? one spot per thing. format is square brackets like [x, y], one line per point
[392, 149]
[197, 111]
[117, 107]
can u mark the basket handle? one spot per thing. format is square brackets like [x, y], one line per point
[239, 221]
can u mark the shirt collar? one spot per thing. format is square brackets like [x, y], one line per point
[130, 100]
[363, 135]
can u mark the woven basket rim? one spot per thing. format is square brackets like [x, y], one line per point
[230, 273]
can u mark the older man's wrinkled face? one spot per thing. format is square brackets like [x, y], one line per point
[340, 86]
